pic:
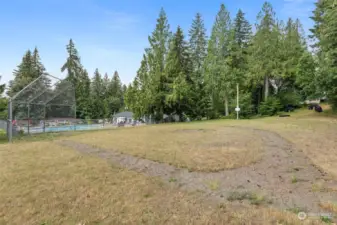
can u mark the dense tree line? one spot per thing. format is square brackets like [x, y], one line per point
[197, 76]
[192, 75]
[324, 33]
[3, 102]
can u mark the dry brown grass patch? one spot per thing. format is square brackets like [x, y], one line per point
[330, 206]
[44, 183]
[183, 145]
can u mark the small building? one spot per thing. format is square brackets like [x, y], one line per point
[123, 117]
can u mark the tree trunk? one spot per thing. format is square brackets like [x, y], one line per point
[266, 87]
[226, 105]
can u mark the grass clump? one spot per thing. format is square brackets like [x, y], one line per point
[172, 180]
[294, 179]
[254, 198]
[326, 219]
[213, 185]
[296, 210]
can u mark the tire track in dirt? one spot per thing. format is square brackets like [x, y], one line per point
[284, 175]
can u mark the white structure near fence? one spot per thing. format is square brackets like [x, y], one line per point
[123, 117]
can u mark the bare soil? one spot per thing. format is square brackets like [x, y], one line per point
[284, 176]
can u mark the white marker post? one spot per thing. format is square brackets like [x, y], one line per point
[237, 109]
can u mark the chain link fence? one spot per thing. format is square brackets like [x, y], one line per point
[45, 99]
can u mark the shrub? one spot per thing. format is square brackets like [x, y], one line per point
[270, 107]
[290, 98]
[3, 135]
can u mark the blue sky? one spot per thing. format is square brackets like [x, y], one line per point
[109, 35]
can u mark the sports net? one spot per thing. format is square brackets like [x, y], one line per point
[45, 103]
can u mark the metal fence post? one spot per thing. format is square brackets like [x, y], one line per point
[10, 118]
[44, 119]
[75, 118]
[28, 119]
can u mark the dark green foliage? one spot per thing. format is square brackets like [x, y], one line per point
[3, 102]
[83, 100]
[97, 96]
[247, 108]
[270, 107]
[80, 80]
[326, 219]
[28, 70]
[325, 34]
[198, 50]
[272, 62]
[114, 95]
[197, 78]
[178, 80]
[3, 135]
[217, 75]
[156, 54]
[290, 98]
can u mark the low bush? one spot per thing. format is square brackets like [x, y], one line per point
[270, 107]
[3, 135]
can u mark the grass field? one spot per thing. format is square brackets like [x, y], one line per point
[196, 147]
[42, 182]
[212, 145]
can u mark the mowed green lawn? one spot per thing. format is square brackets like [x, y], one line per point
[43, 183]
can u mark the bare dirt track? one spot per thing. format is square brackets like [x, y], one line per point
[284, 177]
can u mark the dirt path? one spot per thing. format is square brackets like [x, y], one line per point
[285, 176]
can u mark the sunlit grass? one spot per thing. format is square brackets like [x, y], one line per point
[43, 183]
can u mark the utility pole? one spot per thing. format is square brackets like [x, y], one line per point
[237, 101]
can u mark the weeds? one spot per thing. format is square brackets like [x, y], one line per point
[172, 179]
[213, 185]
[296, 210]
[254, 198]
[326, 219]
[294, 179]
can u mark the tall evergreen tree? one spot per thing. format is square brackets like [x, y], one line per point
[306, 76]
[198, 50]
[264, 48]
[237, 61]
[73, 65]
[79, 78]
[325, 32]
[138, 97]
[215, 67]
[241, 35]
[115, 94]
[3, 102]
[83, 98]
[23, 75]
[97, 95]
[198, 43]
[156, 54]
[178, 70]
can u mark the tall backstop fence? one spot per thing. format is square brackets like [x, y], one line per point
[44, 103]
[48, 104]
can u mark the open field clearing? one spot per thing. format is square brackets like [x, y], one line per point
[43, 183]
[200, 148]
[261, 171]
[185, 145]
